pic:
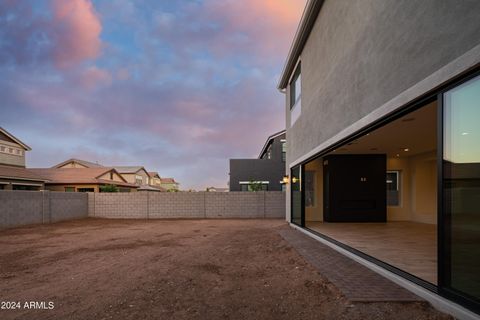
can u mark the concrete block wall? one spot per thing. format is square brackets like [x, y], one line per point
[68, 206]
[191, 205]
[19, 208]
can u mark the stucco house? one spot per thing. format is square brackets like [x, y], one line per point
[83, 179]
[13, 174]
[169, 184]
[266, 171]
[382, 105]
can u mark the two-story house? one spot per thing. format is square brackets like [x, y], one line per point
[264, 173]
[382, 106]
[169, 184]
[13, 174]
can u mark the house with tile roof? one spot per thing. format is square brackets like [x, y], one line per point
[169, 183]
[83, 179]
[13, 174]
[77, 163]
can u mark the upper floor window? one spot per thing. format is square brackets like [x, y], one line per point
[284, 150]
[295, 88]
[138, 179]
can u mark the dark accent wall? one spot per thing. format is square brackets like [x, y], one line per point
[271, 170]
[354, 188]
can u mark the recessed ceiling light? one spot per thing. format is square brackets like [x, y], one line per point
[464, 133]
[406, 149]
[398, 155]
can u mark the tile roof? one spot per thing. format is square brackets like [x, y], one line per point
[87, 164]
[167, 180]
[19, 173]
[153, 174]
[78, 176]
[151, 188]
[129, 169]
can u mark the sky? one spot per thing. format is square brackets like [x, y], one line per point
[179, 87]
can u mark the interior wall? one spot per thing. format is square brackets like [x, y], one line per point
[315, 213]
[418, 188]
[402, 212]
[424, 188]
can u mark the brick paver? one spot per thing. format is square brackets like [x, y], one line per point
[355, 281]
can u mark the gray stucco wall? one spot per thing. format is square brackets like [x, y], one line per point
[19, 208]
[362, 54]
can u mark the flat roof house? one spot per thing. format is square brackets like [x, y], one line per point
[383, 155]
[13, 174]
[266, 171]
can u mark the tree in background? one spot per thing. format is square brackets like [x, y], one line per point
[109, 188]
[254, 186]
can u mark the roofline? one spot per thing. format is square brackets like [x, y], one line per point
[309, 16]
[273, 136]
[122, 172]
[110, 170]
[15, 139]
[73, 160]
[23, 178]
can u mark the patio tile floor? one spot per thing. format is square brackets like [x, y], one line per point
[355, 281]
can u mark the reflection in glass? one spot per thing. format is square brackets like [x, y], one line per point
[462, 187]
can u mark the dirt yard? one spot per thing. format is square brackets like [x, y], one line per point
[189, 269]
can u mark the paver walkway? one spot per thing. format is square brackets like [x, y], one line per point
[355, 281]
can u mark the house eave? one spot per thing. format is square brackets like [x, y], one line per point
[305, 26]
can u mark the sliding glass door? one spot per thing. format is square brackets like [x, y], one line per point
[461, 190]
[297, 197]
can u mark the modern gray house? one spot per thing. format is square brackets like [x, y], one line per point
[266, 172]
[383, 140]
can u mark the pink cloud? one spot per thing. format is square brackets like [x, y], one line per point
[78, 33]
[93, 77]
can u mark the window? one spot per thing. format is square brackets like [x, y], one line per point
[393, 188]
[284, 150]
[269, 152]
[295, 96]
[2, 148]
[10, 150]
[309, 189]
[86, 190]
[69, 189]
[138, 180]
[254, 185]
[111, 175]
[295, 88]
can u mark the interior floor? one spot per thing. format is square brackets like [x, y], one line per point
[409, 246]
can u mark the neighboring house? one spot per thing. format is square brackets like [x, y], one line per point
[77, 163]
[382, 113]
[134, 174]
[83, 179]
[154, 179]
[13, 174]
[214, 189]
[266, 172]
[169, 184]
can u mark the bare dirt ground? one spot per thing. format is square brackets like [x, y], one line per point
[189, 269]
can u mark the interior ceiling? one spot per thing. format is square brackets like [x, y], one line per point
[416, 131]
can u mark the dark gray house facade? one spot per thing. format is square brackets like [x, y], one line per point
[382, 106]
[264, 173]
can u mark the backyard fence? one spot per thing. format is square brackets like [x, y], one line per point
[19, 208]
[170, 205]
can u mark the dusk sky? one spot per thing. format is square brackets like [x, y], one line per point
[176, 86]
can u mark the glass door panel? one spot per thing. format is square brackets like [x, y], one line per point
[461, 189]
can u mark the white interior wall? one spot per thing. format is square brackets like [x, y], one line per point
[315, 213]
